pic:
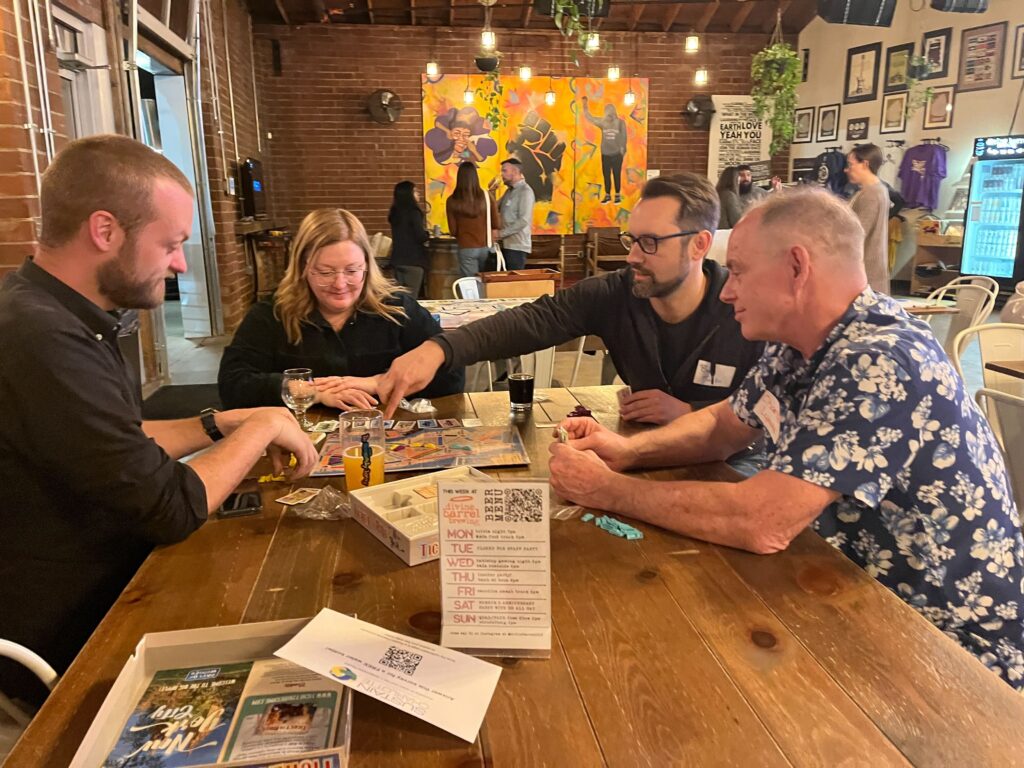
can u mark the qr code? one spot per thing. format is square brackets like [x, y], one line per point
[513, 505]
[403, 661]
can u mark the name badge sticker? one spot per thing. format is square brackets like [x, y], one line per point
[708, 374]
[767, 410]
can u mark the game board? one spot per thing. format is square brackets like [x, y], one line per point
[430, 445]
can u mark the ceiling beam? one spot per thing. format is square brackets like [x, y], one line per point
[741, 16]
[705, 18]
[527, 12]
[769, 23]
[671, 14]
[634, 16]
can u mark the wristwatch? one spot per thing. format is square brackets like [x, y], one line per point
[206, 417]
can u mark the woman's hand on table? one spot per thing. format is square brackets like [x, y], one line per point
[585, 434]
[347, 399]
[367, 384]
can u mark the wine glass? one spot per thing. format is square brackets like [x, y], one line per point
[299, 393]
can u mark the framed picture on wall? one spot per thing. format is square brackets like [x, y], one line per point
[857, 128]
[828, 123]
[805, 64]
[804, 130]
[1017, 65]
[938, 109]
[935, 50]
[897, 65]
[862, 65]
[981, 57]
[894, 113]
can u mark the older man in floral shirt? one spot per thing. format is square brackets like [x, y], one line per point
[872, 438]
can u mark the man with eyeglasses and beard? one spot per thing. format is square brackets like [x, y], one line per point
[672, 340]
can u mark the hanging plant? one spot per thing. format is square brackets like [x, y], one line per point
[489, 93]
[775, 74]
[570, 22]
[917, 96]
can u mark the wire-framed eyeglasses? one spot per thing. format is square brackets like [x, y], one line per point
[649, 243]
[325, 277]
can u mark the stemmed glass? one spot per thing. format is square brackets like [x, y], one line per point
[299, 393]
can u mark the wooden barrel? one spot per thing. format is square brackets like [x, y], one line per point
[444, 267]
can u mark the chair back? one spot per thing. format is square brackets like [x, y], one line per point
[996, 342]
[468, 288]
[975, 298]
[606, 241]
[1006, 414]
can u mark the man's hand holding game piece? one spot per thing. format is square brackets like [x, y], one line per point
[409, 373]
[585, 434]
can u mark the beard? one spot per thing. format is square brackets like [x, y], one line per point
[745, 187]
[123, 287]
[656, 289]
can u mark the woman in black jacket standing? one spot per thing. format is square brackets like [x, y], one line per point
[409, 238]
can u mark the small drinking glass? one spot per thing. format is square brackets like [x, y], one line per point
[362, 446]
[520, 391]
[299, 393]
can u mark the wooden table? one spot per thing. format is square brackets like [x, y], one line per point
[1013, 368]
[667, 651]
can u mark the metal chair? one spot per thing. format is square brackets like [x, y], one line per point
[472, 288]
[996, 341]
[975, 298]
[1008, 411]
[35, 664]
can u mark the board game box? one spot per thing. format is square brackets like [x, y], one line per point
[429, 444]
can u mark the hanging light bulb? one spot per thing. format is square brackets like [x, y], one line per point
[432, 69]
[467, 95]
[630, 98]
[550, 97]
[613, 72]
[525, 73]
[700, 77]
[487, 40]
[692, 44]
[592, 42]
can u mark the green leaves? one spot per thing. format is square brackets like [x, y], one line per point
[775, 74]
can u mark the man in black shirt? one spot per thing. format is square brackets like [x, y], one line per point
[671, 338]
[88, 487]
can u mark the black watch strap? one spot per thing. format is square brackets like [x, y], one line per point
[206, 417]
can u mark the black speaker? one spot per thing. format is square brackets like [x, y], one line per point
[960, 6]
[866, 13]
[254, 200]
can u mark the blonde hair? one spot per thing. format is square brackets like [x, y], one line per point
[294, 301]
[101, 173]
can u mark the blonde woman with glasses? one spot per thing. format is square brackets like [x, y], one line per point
[335, 313]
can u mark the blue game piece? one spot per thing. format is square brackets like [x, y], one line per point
[587, 517]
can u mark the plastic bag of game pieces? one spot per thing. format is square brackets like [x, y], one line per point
[565, 511]
[419, 405]
[329, 504]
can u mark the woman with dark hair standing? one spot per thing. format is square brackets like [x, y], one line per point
[467, 211]
[871, 205]
[729, 196]
[409, 238]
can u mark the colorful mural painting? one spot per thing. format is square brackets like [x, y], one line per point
[611, 151]
[584, 170]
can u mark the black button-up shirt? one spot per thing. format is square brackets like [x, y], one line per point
[252, 365]
[85, 493]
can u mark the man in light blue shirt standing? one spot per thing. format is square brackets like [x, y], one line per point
[516, 209]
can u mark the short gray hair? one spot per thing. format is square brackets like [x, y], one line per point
[815, 218]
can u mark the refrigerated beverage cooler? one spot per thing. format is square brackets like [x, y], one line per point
[992, 223]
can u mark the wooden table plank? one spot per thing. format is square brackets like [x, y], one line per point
[920, 688]
[1013, 368]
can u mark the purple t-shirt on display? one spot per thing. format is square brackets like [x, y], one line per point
[921, 172]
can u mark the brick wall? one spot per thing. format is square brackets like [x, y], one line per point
[19, 204]
[327, 151]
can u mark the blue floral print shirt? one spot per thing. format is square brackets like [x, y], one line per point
[880, 415]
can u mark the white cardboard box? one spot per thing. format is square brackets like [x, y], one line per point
[409, 531]
[189, 648]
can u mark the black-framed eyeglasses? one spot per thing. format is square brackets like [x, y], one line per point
[649, 243]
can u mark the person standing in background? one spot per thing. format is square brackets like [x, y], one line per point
[729, 196]
[613, 148]
[750, 192]
[466, 210]
[871, 207]
[409, 238]
[516, 209]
